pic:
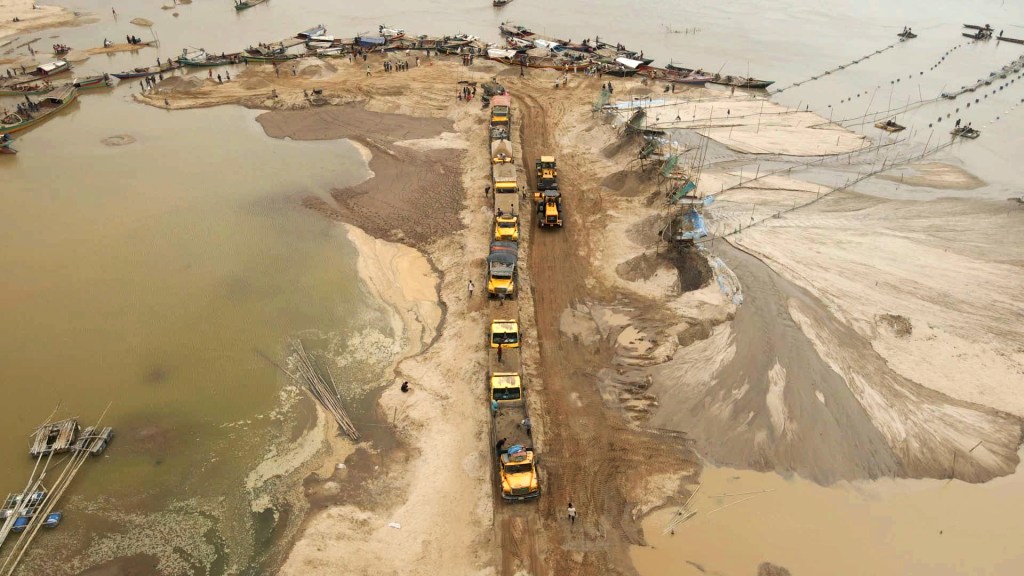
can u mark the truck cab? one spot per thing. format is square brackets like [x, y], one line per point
[504, 332]
[547, 173]
[506, 227]
[506, 388]
[549, 209]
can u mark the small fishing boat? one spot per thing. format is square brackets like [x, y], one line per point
[907, 35]
[100, 81]
[979, 35]
[5, 145]
[1013, 40]
[318, 30]
[965, 132]
[741, 82]
[976, 27]
[47, 107]
[150, 71]
[243, 4]
[390, 33]
[890, 126]
[500, 3]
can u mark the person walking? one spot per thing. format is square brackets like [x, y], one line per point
[500, 346]
[470, 288]
[528, 426]
[487, 190]
[494, 408]
[572, 514]
[367, 69]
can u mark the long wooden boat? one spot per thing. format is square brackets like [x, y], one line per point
[150, 71]
[976, 27]
[979, 35]
[741, 82]
[49, 105]
[1006, 39]
[100, 81]
[269, 57]
[243, 4]
[500, 3]
[26, 90]
[907, 35]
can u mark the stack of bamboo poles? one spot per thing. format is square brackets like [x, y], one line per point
[323, 389]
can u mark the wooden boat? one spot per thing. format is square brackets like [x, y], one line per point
[100, 81]
[976, 27]
[5, 145]
[25, 90]
[318, 30]
[741, 82]
[269, 57]
[965, 132]
[907, 35]
[150, 71]
[49, 105]
[979, 35]
[1013, 40]
[200, 58]
[243, 4]
[500, 3]
[51, 69]
[889, 126]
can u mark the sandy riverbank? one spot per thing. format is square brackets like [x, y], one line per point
[31, 16]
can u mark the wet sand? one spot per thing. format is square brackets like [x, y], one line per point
[31, 19]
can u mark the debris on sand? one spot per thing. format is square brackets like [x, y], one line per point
[899, 324]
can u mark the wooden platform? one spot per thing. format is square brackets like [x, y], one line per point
[55, 437]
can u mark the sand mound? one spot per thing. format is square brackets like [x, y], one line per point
[769, 569]
[625, 182]
[142, 22]
[180, 84]
[640, 267]
[76, 56]
[118, 140]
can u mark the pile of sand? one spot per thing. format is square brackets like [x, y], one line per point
[179, 84]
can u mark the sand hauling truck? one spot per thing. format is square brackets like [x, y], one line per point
[501, 151]
[501, 110]
[505, 187]
[501, 269]
[513, 452]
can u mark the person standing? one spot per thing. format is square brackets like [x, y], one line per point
[528, 426]
[487, 190]
[572, 514]
[405, 386]
[500, 346]
[499, 446]
[470, 288]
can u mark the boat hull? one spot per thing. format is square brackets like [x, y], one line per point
[51, 112]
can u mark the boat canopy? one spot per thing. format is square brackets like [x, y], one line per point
[61, 94]
[50, 67]
[629, 62]
[500, 53]
[546, 44]
[371, 40]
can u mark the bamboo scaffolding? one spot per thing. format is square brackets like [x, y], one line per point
[325, 391]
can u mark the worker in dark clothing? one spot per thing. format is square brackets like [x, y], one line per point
[499, 446]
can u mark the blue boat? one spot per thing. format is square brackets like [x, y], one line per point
[52, 520]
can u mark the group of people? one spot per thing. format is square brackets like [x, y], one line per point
[27, 108]
[466, 93]
[61, 48]
[133, 39]
[467, 59]
[401, 66]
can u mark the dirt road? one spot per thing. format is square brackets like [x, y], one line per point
[591, 457]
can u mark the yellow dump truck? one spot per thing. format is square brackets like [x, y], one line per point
[505, 187]
[501, 151]
[501, 269]
[547, 175]
[517, 473]
[506, 228]
[501, 110]
[504, 332]
[506, 388]
[549, 209]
